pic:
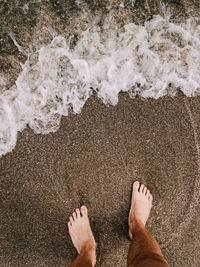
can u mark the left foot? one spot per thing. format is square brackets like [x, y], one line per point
[81, 234]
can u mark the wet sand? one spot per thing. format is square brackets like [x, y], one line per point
[93, 159]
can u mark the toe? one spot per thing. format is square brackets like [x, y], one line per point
[145, 190]
[69, 225]
[141, 188]
[150, 197]
[78, 213]
[74, 216]
[84, 211]
[136, 185]
[71, 220]
[148, 193]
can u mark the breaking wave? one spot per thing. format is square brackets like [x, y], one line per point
[153, 60]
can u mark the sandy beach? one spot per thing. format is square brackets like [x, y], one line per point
[93, 159]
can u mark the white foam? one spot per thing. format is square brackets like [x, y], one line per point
[151, 60]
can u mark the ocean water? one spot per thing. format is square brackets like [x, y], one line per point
[62, 67]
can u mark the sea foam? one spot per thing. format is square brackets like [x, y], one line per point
[153, 60]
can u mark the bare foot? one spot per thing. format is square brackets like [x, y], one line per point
[81, 234]
[141, 204]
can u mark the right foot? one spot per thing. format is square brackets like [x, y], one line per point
[81, 234]
[141, 204]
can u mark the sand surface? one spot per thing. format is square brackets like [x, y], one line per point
[93, 159]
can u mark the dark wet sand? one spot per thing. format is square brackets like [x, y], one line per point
[93, 159]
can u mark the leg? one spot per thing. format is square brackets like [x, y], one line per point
[82, 238]
[144, 250]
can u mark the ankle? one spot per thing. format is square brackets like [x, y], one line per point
[136, 224]
[89, 253]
